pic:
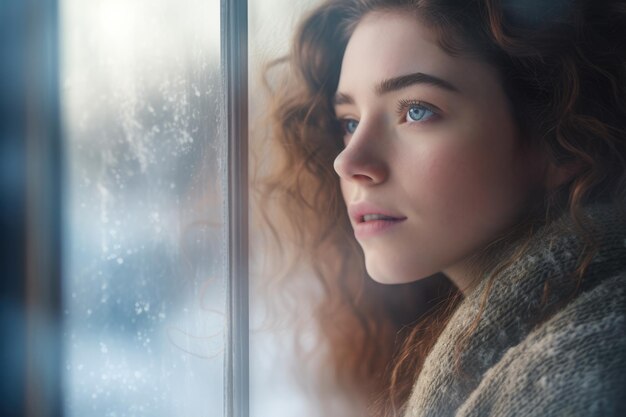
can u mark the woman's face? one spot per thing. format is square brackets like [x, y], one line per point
[433, 167]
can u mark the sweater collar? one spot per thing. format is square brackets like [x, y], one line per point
[511, 305]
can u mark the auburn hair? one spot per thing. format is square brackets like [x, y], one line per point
[562, 67]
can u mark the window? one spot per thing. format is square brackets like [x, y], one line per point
[124, 187]
[145, 271]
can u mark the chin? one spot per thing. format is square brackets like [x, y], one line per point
[387, 274]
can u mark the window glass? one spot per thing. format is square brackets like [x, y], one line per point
[144, 258]
[278, 381]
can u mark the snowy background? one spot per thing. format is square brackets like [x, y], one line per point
[144, 256]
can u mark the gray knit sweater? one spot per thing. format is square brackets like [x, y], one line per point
[517, 363]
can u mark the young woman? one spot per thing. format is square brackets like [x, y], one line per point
[482, 141]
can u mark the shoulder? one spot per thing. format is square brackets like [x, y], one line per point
[572, 365]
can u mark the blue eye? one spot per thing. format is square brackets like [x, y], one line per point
[350, 125]
[418, 113]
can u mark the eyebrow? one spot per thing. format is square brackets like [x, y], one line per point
[399, 83]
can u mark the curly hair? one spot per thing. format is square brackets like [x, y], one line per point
[563, 68]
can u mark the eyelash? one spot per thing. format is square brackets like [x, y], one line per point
[405, 105]
[402, 109]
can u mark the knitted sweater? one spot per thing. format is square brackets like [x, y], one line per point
[517, 362]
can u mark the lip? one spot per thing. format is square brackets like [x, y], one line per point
[363, 229]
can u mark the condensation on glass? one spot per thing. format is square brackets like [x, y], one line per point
[144, 264]
[276, 385]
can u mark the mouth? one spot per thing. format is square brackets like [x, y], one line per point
[375, 224]
[375, 217]
[369, 220]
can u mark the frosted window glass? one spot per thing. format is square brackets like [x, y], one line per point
[144, 259]
[276, 385]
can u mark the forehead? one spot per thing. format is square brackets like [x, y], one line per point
[388, 44]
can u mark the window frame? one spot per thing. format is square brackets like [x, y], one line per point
[31, 215]
[234, 59]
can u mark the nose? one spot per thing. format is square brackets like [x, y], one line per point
[361, 162]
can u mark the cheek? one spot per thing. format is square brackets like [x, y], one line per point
[465, 181]
[450, 187]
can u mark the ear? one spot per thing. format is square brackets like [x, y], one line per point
[557, 175]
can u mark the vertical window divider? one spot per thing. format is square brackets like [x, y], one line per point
[234, 58]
